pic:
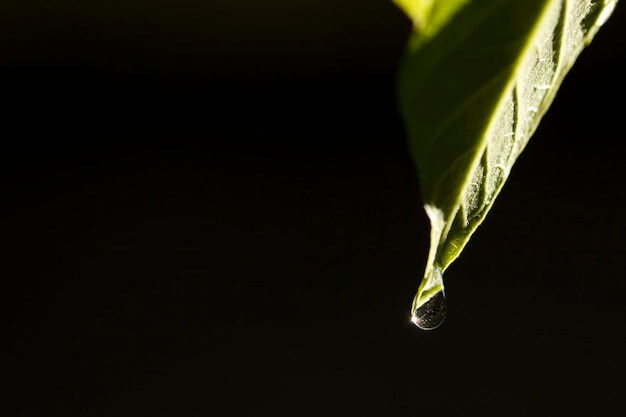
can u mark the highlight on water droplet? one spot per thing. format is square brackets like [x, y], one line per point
[430, 306]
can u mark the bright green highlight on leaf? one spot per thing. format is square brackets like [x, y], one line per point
[429, 15]
[476, 80]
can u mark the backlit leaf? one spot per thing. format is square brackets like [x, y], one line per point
[474, 84]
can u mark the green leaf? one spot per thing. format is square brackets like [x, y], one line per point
[430, 15]
[475, 81]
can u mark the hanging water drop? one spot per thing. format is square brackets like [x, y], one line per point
[431, 314]
[430, 306]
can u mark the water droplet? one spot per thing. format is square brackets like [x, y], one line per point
[429, 306]
[431, 314]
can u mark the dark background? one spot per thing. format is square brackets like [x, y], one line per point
[211, 210]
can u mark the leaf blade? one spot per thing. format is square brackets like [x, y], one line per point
[498, 65]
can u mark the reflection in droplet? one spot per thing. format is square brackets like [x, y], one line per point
[431, 314]
[429, 306]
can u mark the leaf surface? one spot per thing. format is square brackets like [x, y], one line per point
[475, 81]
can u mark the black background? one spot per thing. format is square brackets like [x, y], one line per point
[211, 210]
